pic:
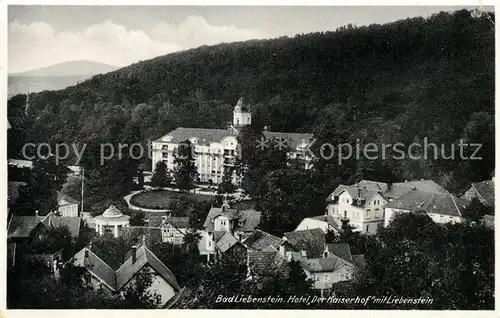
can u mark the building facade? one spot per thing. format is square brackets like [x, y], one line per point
[217, 149]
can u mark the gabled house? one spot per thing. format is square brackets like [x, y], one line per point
[260, 241]
[173, 229]
[324, 222]
[67, 206]
[440, 207]
[337, 264]
[484, 191]
[141, 261]
[240, 223]
[362, 203]
[228, 246]
[161, 228]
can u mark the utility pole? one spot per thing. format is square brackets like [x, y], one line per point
[83, 179]
[27, 101]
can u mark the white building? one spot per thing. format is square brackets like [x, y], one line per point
[67, 206]
[363, 203]
[440, 207]
[112, 220]
[324, 222]
[217, 149]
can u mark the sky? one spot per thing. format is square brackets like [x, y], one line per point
[39, 36]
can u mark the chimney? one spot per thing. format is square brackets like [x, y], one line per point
[134, 254]
[86, 258]
[144, 240]
[36, 213]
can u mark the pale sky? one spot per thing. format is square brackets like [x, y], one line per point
[39, 36]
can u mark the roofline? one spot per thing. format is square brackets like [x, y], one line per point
[178, 287]
[100, 279]
[98, 258]
[456, 206]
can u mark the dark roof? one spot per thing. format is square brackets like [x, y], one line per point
[66, 197]
[312, 241]
[485, 191]
[204, 135]
[218, 235]
[226, 242]
[260, 240]
[264, 263]
[436, 203]
[398, 189]
[155, 218]
[96, 266]
[117, 279]
[328, 219]
[73, 223]
[341, 250]
[144, 256]
[372, 185]
[22, 226]
[248, 220]
[180, 222]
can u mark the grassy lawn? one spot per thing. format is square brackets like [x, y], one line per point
[161, 199]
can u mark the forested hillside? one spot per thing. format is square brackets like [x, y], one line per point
[397, 82]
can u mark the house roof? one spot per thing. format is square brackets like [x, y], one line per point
[119, 278]
[264, 262]
[360, 193]
[204, 135]
[293, 140]
[318, 265]
[328, 219]
[312, 241]
[248, 220]
[22, 226]
[436, 203]
[226, 242]
[341, 250]
[260, 240]
[373, 185]
[96, 266]
[398, 189]
[153, 234]
[144, 256]
[155, 219]
[73, 223]
[61, 196]
[390, 191]
[485, 191]
[180, 222]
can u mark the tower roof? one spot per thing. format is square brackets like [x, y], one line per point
[112, 212]
[240, 107]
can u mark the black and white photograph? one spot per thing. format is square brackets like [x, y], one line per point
[173, 157]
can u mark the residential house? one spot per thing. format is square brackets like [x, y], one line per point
[440, 207]
[324, 222]
[22, 230]
[362, 203]
[335, 265]
[141, 261]
[260, 241]
[240, 223]
[484, 191]
[67, 206]
[173, 229]
[227, 246]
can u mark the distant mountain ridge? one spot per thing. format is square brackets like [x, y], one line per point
[55, 77]
[70, 68]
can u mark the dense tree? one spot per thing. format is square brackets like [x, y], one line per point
[453, 264]
[40, 192]
[185, 171]
[161, 177]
